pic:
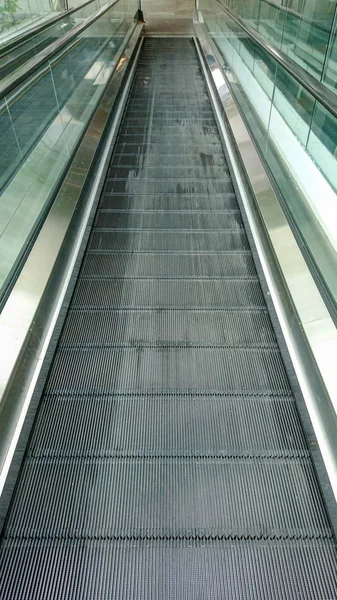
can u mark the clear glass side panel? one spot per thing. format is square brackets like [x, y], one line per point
[329, 77]
[42, 123]
[294, 104]
[303, 29]
[322, 143]
[18, 15]
[307, 32]
[271, 19]
[296, 136]
[15, 57]
[249, 68]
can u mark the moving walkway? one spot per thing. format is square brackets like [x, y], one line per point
[167, 451]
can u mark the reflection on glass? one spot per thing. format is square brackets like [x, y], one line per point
[9, 146]
[330, 73]
[271, 22]
[296, 136]
[303, 29]
[15, 57]
[294, 103]
[264, 71]
[42, 122]
[322, 143]
[306, 34]
[16, 15]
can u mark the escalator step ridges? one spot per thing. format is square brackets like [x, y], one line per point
[223, 221]
[169, 569]
[232, 265]
[172, 140]
[172, 119]
[166, 241]
[168, 173]
[131, 201]
[176, 130]
[184, 328]
[225, 370]
[167, 497]
[167, 113]
[171, 160]
[187, 426]
[173, 212]
[177, 294]
[164, 147]
[139, 186]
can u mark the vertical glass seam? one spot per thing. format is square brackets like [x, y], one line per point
[329, 45]
[271, 108]
[311, 122]
[12, 123]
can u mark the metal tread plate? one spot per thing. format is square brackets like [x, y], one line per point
[225, 370]
[103, 240]
[168, 202]
[175, 294]
[190, 426]
[169, 569]
[213, 221]
[216, 328]
[232, 265]
[168, 497]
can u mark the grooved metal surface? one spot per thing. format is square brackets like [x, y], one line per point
[171, 328]
[127, 569]
[168, 426]
[171, 497]
[225, 370]
[167, 459]
[169, 202]
[148, 265]
[108, 219]
[163, 294]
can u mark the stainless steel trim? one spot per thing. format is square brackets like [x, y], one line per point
[307, 327]
[20, 39]
[15, 78]
[323, 94]
[29, 316]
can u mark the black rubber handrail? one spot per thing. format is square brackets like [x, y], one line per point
[14, 79]
[317, 89]
[20, 39]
